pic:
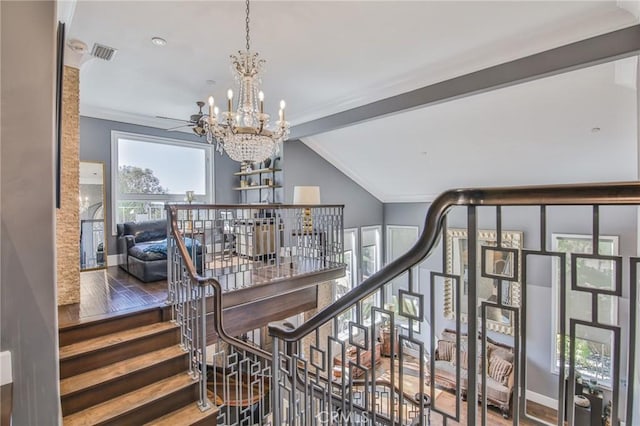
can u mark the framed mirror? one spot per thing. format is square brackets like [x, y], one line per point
[501, 267]
[93, 246]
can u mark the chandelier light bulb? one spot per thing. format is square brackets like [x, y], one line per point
[261, 96]
[211, 101]
[229, 99]
[283, 104]
[216, 110]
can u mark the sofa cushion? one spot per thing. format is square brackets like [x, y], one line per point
[499, 369]
[447, 371]
[501, 352]
[495, 390]
[146, 231]
[142, 251]
[157, 250]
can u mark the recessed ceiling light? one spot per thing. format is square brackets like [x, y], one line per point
[423, 152]
[595, 129]
[211, 82]
[158, 41]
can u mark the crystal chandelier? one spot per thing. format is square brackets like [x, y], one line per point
[245, 133]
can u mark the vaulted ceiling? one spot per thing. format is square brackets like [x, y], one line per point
[324, 57]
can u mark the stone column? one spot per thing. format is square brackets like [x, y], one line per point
[68, 215]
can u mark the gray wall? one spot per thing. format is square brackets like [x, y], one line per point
[95, 145]
[302, 166]
[28, 293]
[620, 221]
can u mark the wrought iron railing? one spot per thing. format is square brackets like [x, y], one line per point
[215, 250]
[398, 359]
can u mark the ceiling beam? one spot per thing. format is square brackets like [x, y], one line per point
[596, 50]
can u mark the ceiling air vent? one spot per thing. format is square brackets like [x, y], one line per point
[103, 52]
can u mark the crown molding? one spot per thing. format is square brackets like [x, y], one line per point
[126, 117]
[413, 198]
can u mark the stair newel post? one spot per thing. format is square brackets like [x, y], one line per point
[170, 260]
[472, 389]
[204, 400]
[275, 382]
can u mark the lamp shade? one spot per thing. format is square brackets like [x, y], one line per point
[306, 195]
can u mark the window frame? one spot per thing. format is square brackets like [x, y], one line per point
[378, 257]
[116, 135]
[351, 233]
[397, 282]
[555, 237]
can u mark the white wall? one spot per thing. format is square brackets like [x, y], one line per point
[28, 293]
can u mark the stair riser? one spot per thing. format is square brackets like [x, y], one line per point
[158, 408]
[118, 352]
[83, 332]
[125, 384]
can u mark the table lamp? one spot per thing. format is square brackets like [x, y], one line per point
[306, 195]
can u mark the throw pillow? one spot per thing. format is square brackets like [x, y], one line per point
[499, 369]
[445, 350]
[464, 360]
[448, 335]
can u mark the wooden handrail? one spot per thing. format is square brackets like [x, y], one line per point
[218, 320]
[618, 193]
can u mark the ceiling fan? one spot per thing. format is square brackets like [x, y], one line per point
[193, 121]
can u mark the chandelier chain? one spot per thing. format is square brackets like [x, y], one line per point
[247, 25]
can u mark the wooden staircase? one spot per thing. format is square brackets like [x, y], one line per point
[127, 370]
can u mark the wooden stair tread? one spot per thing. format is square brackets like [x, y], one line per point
[116, 407]
[187, 415]
[76, 349]
[93, 378]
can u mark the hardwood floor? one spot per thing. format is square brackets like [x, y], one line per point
[106, 292]
[446, 402]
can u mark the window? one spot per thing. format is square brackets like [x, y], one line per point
[349, 281]
[371, 252]
[399, 240]
[593, 346]
[148, 171]
[371, 260]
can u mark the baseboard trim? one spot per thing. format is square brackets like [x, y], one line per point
[542, 399]
[113, 260]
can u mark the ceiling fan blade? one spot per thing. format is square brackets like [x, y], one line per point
[174, 119]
